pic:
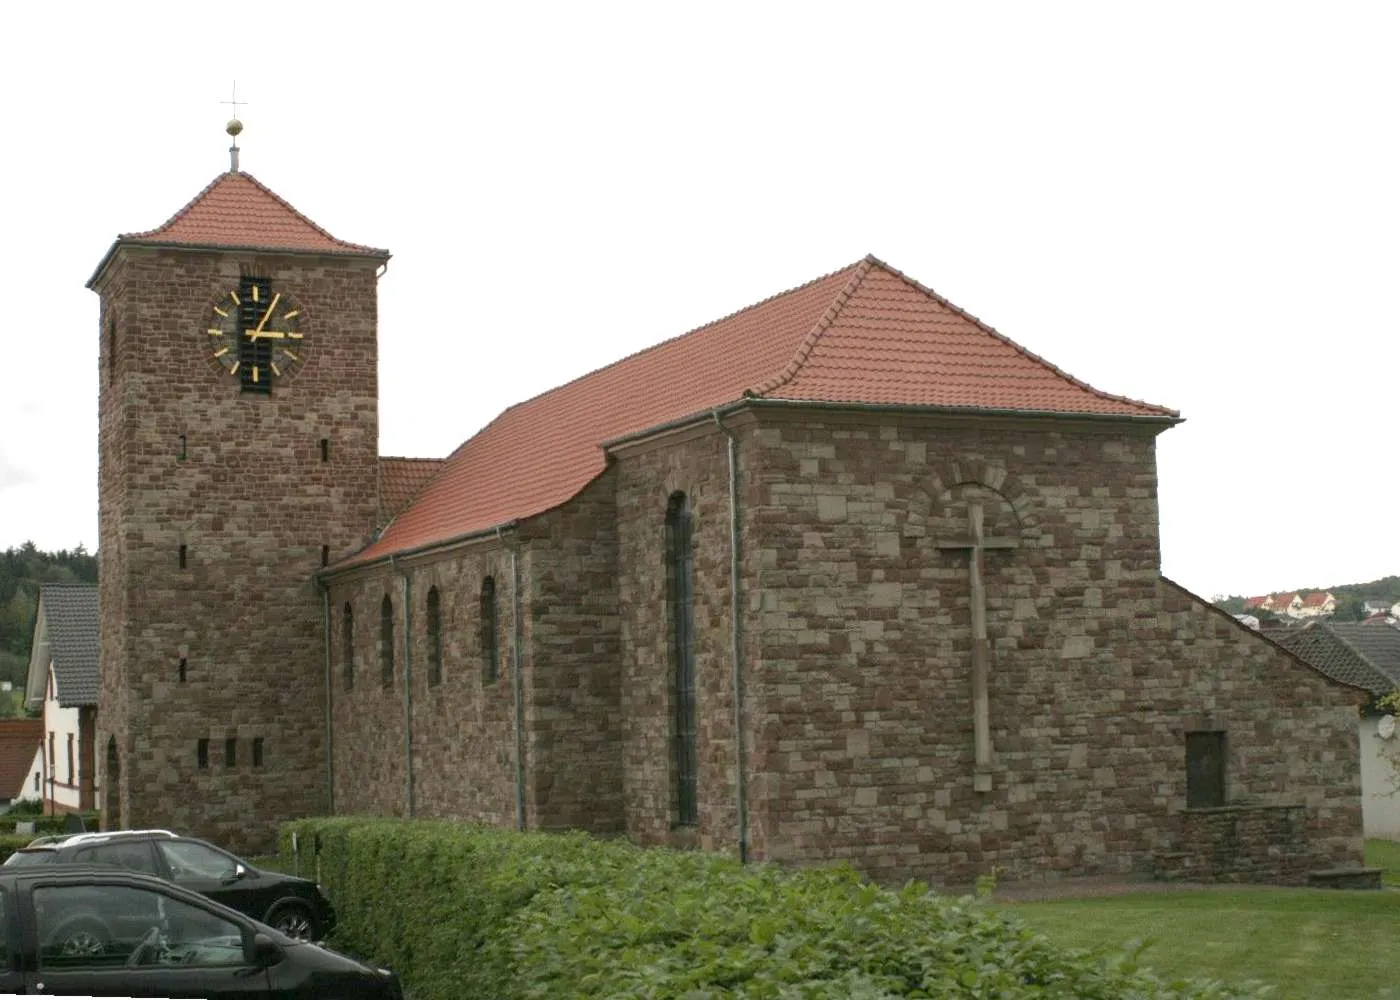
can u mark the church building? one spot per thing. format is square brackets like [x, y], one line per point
[846, 575]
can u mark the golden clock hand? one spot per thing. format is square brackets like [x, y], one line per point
[263, 322]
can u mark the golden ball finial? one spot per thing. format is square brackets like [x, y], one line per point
[233, 127]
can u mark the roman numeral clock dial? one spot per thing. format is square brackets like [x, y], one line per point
[256, 334]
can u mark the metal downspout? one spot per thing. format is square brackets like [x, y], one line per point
[330, 757]
[407, 684]
[741, 779]
[517, 640]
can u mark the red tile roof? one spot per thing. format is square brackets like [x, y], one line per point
[19, 741]
[1254, 602]
[1316, 600]
[235, 211]
[400, 479]
[1282, 600]
[865, 334]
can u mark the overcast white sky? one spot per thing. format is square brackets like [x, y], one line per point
[1192, 204]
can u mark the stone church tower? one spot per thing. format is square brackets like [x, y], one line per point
[238, 437]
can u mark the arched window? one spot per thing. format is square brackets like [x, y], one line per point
[347, 646]
[386, 642]
[434, 637]
[490, 646]
[681, 625]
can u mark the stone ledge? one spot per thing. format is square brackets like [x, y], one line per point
[1346, 878]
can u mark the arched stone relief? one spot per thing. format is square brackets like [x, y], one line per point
[940, 503]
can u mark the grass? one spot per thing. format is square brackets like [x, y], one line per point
[1309, 944]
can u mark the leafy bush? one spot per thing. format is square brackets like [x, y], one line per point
[463, 911]
[11, 842]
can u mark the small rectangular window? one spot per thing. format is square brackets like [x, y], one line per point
[184, 447]
[1205, 770]
[72, 775]
[182, 669]
[325, 555]
[325, 449]
[184, 556]
[230, 751]
[257, 751]
[201, 754]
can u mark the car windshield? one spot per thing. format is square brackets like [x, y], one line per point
[25, 856]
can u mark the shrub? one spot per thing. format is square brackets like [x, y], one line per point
[462, 911]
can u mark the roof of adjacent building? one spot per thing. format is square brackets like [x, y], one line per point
[864, 335]
[237, 212]
[400, 479]
[19, 742]
[1316, 599]
[68, 619]
[1366, 654]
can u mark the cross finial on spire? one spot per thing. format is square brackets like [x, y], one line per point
[234, 127]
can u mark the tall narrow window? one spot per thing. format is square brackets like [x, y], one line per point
[231, 752]
[201, 754]
[434, 637]
[681, 601]
[257, 751]
[184, 666]
[490, 646]
[325, 449]
[347, 646]
[386, 642]
[1205, 770]
[72, 776]
[111, 350]
[184, 556]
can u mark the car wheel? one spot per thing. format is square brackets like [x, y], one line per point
[295, 921]
[84, 939]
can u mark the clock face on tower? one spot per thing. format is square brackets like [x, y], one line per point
[256, 334]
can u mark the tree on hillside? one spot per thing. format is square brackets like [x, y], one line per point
[23, 571]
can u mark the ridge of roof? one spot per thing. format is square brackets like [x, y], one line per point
[804, 350]
[987, 328]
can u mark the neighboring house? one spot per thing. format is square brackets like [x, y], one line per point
[1284, 604]
[1255, 603]
[1376, 608]
[19, 747]
[1366, 654]
[1316, 605]
[1249, 621]
[64, 680]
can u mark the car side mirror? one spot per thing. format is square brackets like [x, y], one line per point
[265, 950]
[239, 871]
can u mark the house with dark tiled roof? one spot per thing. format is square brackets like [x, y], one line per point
[64, 681]
[847, 574]
[1366, 654]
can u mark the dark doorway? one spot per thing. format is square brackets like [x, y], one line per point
[1205, 770]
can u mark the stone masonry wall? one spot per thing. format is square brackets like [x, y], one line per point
[573, 676]
[864, 746]
[463, 726]
[697, 465]
[239, 479]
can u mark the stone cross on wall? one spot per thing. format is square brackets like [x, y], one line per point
[975, 545]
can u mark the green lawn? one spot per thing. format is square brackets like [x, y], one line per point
[1310, 944]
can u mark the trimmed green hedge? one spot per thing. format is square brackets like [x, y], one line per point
[461, 911]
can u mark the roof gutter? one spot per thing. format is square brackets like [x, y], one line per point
[369, 253]
[758, 402]
[435, 548]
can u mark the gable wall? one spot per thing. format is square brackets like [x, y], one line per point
[865, 737]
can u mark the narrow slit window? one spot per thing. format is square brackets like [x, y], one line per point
[184, 556]
[111, 350]
[347, 646]
[257, 751]
[201, 754]
[230, 751]
[183, 668]
[681, 621]
[434, 637]
[325, 555]
[325, 449]
[490, 627]
[386, 642]
[184, 447]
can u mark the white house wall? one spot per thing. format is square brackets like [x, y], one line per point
[33, 789]
[1380, 810]
[60, 784]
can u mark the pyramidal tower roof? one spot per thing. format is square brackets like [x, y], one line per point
[237, 212]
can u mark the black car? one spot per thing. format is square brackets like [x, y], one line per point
[295, 906]
[94, 930]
